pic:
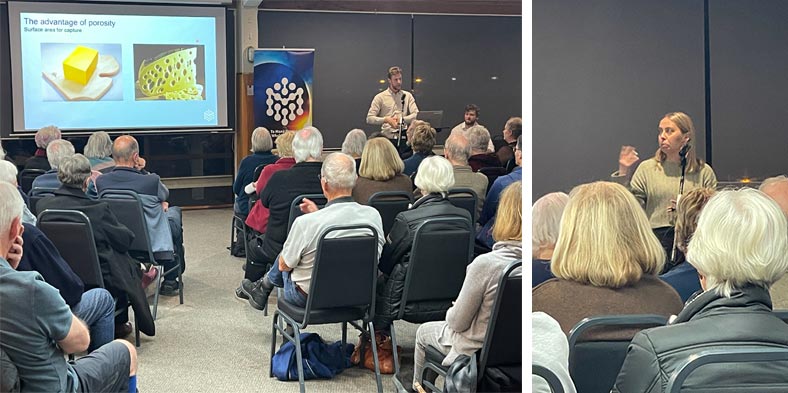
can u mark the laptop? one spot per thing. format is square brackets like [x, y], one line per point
[433, 117]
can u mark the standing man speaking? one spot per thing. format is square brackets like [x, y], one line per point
[393, 107]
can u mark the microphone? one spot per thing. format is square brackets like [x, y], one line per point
[403, 103]
[684, 150]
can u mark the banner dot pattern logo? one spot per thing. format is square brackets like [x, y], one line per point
[284, 101]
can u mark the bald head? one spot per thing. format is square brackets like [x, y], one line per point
[458, 149]
[124, 150]
[777, 189]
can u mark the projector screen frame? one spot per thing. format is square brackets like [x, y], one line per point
[224, 38]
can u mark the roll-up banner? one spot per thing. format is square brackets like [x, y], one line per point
[283, 89]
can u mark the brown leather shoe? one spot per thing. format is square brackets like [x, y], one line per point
[355, 358]
[123, 330]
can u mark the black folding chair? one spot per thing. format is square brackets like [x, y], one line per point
[502, 341]
[729, 355]
[782, 314]
[295, 209]
[127, 207]
[465, 198]
[492, 173]
[71, 233]
[26, 178]
[442, 247]
[37, 194]
[389, 204]
[552, 380]
[342, 289]
[594, 365]
[238, 225]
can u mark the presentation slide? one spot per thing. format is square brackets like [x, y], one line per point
[114, 66]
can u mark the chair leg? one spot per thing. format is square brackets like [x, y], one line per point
[136, 333]
[180, 279]
[299, 359]
[394, 348]
[344, 335]
[375, 357]
[158, 288]
[273, 345]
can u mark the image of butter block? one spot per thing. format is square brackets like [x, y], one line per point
[80, 65]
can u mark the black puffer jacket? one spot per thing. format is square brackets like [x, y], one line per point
[709, 321]
[395, 259]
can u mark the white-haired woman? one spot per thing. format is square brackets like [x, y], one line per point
[434, 178]
[98, 150]
[353, 145]
[43, 137]
[546, 221]
[740, 249]
[261, 155]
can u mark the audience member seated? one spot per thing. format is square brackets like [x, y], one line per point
[463, 331]
[504, 146]
[353, 145]
[56, 151]
[293, 270]
[777, 189]
[261, 155]
[470, 120]
[122, 275]
[95, 306]
[546, 223]
[381, 170]
[605, 262]
[43, 137]
[8, 174]
[481, 157]
[164, 221]
[550, 349]
[487, 219]
[282, 187]
[457, 151]
[38, 328]
[258, 214]
[434, 178]
[422, 140]
[98, 150]
[740, 249]
[683, 277]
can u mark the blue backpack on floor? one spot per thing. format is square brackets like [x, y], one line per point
[321, 360]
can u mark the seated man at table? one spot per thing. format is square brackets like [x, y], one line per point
[293, 270]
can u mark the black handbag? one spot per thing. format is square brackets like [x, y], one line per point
[462, 375]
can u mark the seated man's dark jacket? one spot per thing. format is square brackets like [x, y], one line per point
[38, 161]
[484, 160]
[126, 178]
[278, 194]
[121, 272]
[395, 258]
[41, 255]
[709, 321]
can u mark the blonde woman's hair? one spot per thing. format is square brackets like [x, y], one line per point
[741, 239]
[380, 161]
[684, 122]
[509, 218]
[284, 144]
[546, 219]
[605, 238]
[687, 213]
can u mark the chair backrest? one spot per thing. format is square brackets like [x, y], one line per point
[33, 204]
[254, 197]
[465, 198]
[127, 207]
[782, 314]
[41, 191]
[295, 209]
[492, 173]
[549, 376]
[345, 269]
[26, 178]
[389, 204]
[442, 248]
[503, 339]
[727, 355]
[71, 233]
[594, 365]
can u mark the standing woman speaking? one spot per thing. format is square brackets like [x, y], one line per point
[656, 182]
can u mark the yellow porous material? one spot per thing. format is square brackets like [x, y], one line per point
[172, 75]
[80, 64]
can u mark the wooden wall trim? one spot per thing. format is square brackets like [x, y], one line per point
[243, 136]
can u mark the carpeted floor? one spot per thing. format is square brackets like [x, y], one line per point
[217, 343]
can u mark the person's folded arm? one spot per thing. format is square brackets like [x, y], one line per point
[640, 372]
[78, 337]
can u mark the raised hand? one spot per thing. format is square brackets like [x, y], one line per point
[627, 158]
[307, 206]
